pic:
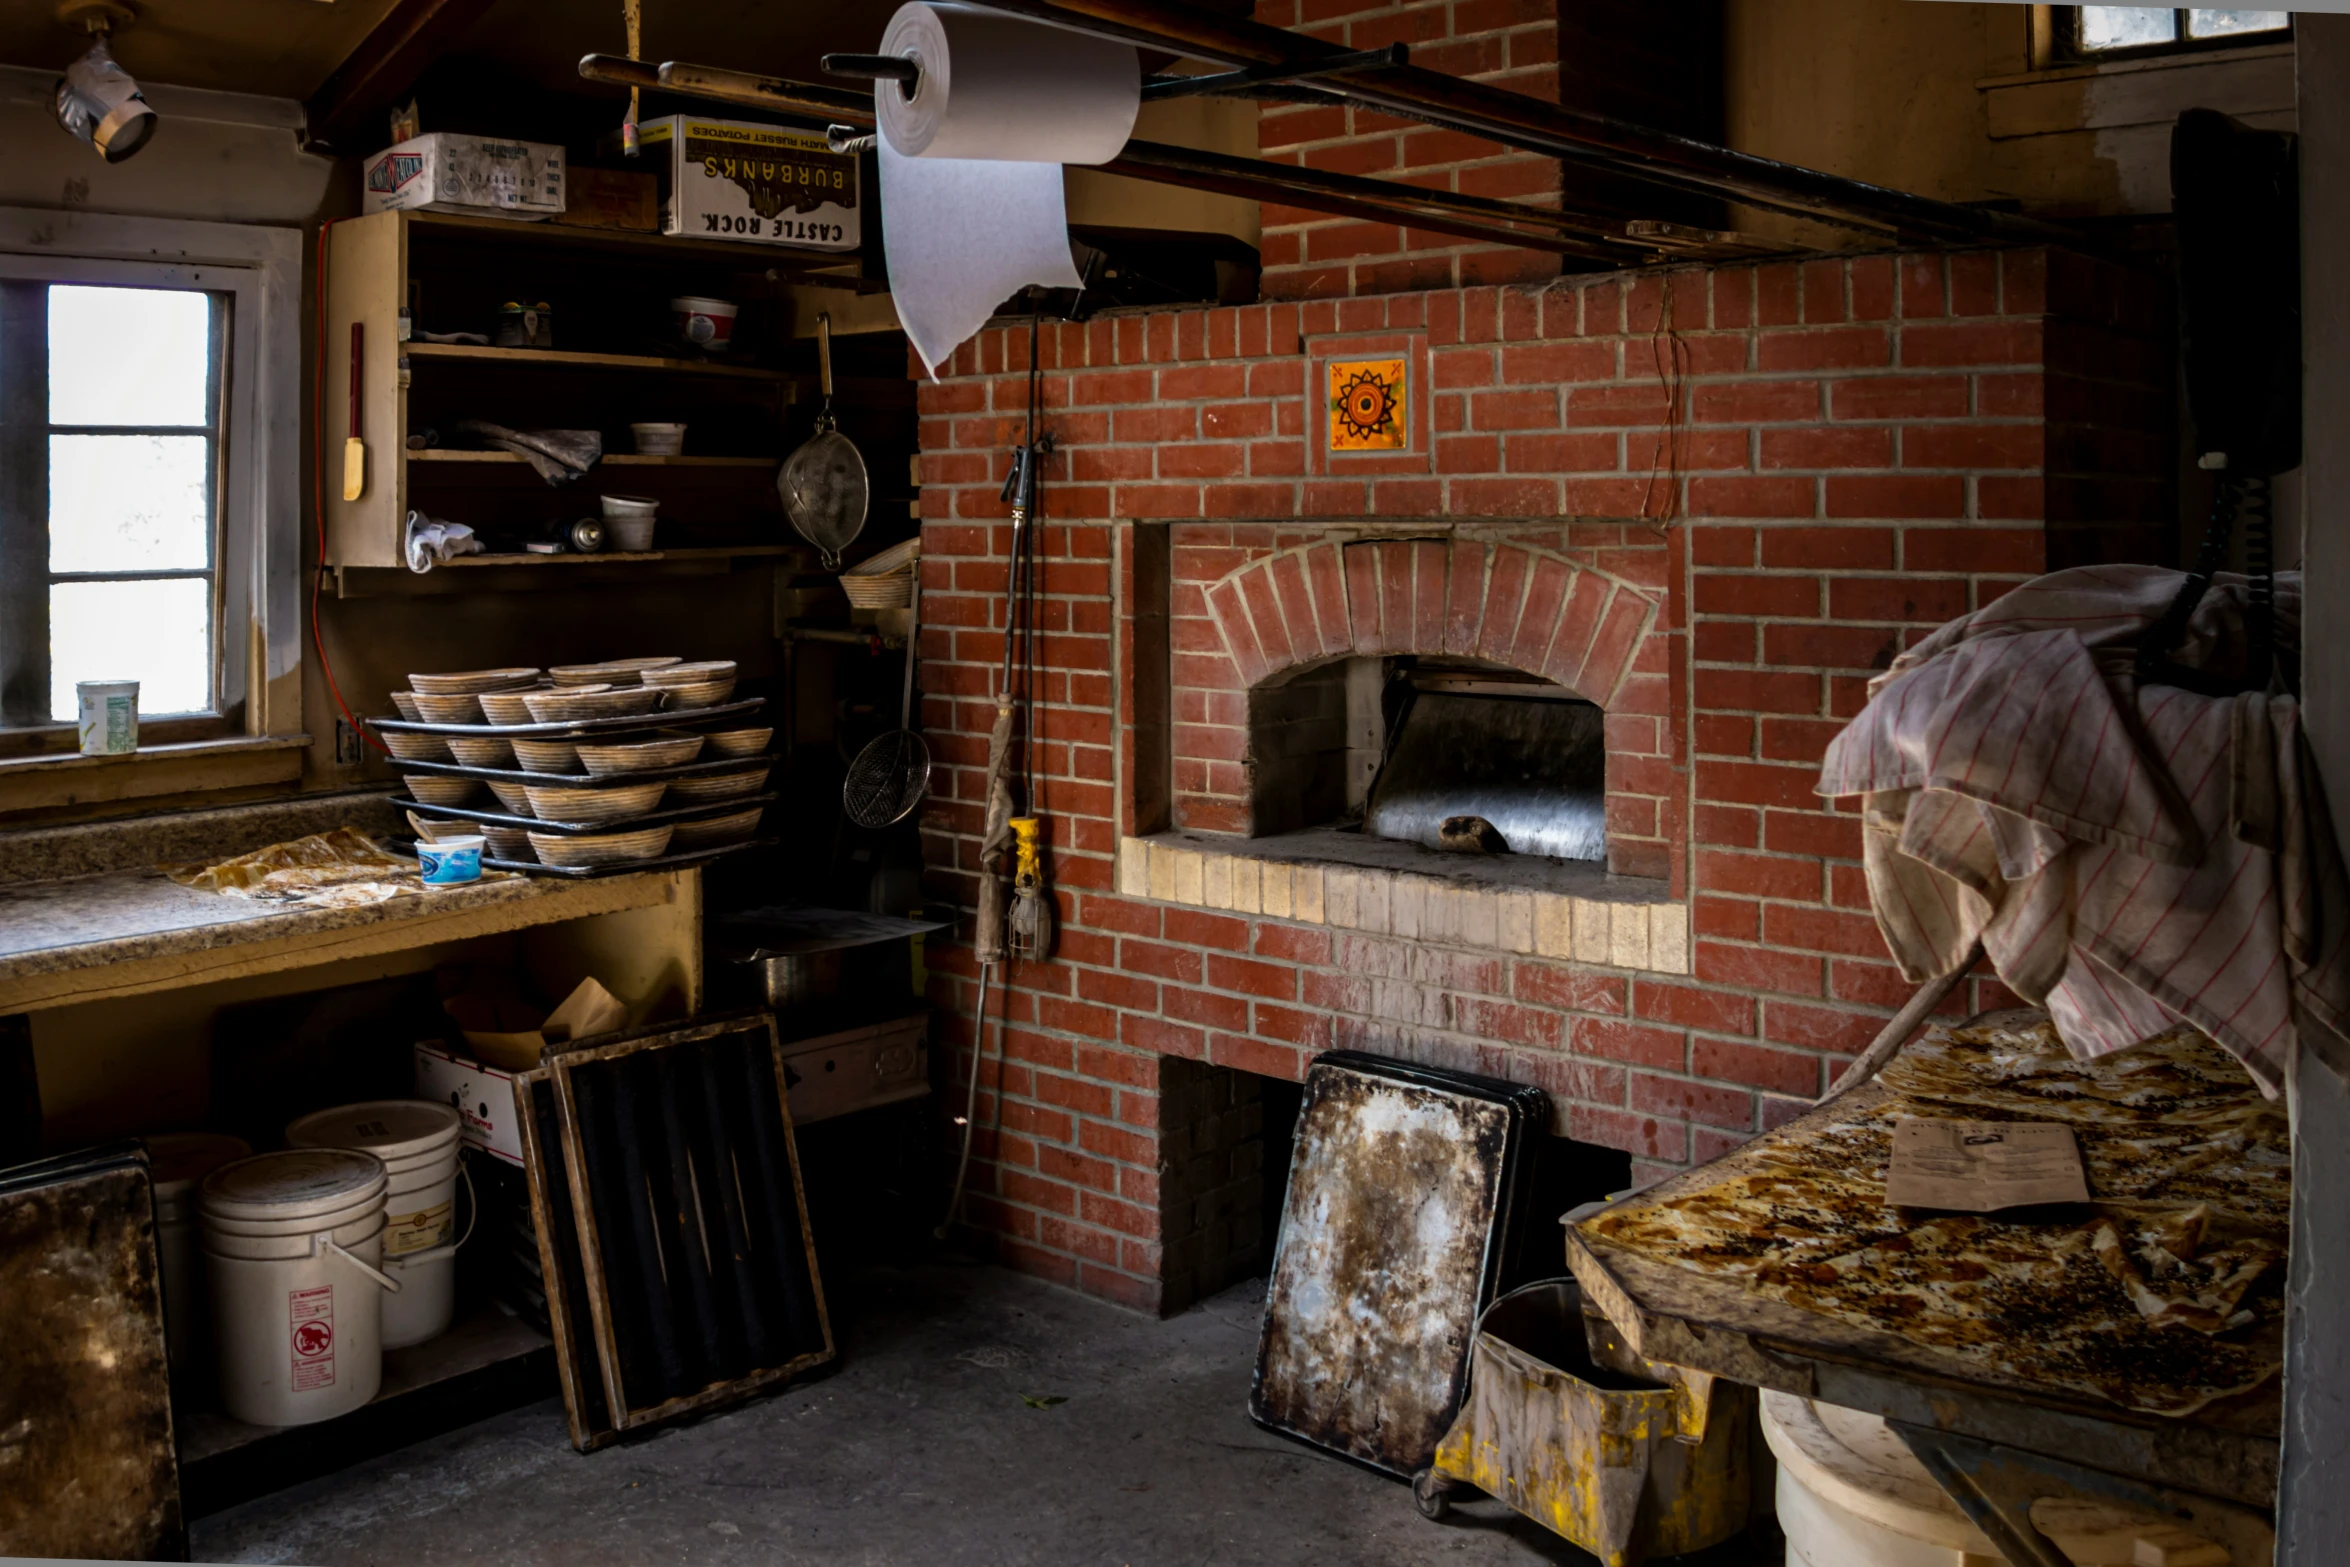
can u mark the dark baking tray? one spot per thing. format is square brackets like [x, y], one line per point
[682, 813]
[627, 867]
[616, 725]
[595, 780]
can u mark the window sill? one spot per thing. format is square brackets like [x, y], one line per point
[2139, 94]
[31, 783]
[2085, 69]
[1581, 915]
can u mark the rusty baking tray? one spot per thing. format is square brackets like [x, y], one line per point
[93, 1466]
[1406, 1186]
[605, 727]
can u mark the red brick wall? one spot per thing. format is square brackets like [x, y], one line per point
[1510, 43]
[1832, 457]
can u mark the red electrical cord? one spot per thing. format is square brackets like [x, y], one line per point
[318, 478]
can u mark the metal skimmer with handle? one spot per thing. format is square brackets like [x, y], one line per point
[823, 484]
[892, 773]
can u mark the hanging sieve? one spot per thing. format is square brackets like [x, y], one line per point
[889, 777]
[823, 484]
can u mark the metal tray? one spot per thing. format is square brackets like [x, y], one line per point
[616, 725]
[627, 867]
[682, 813]
[594, 780]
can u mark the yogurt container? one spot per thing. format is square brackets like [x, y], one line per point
[452, 861]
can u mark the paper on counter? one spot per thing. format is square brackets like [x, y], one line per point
[965, 234]
[1983, 1166]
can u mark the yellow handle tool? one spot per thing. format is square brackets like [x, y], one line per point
[354, 451]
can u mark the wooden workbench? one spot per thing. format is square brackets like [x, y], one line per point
[124, 933]
[2218, 1464]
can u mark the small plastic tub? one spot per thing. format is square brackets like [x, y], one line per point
[451, 862]
[628, 521]
[705, 323]
[109, 711]
[659, 440]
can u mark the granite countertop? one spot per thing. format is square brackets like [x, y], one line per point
[84, 896]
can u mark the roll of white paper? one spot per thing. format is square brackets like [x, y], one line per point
[965, 234]
[1006, 89]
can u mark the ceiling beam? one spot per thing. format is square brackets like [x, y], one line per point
[347, 112]
[1341, 195]
[1536, 125]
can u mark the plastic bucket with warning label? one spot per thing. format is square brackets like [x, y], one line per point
[419, 1144]
[177, 1161]
[293, 1244]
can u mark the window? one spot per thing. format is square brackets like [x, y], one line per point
[111, 539]
[2123, 32]
[150, 471]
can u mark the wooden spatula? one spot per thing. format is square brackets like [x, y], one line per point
[354, 450]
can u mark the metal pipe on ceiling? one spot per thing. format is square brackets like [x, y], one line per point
[1534, 125]
[1342, 195]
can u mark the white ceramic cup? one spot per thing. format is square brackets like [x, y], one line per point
[109, 716]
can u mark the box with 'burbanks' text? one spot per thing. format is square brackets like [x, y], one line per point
[725, 179]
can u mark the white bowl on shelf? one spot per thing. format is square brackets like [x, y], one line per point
[659, 440]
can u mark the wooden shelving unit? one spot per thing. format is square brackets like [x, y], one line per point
[643, 363]
[609, 294]
[611, 460]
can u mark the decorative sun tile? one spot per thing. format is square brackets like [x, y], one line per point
[1369, 407]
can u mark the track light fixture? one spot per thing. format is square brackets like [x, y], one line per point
[97, 100]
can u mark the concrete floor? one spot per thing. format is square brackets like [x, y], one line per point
[921, 1450]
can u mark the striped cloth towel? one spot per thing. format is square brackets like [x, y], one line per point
[2128, 857]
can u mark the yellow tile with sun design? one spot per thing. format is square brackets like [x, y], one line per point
[1369, 405]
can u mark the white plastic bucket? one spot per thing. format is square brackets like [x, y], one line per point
[418, 1141]
[176, 1162]
[1851, 1494]
[292, 1243]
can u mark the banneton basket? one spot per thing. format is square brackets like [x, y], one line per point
[596, 849]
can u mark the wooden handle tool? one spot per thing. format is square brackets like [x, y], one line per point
[354, 450]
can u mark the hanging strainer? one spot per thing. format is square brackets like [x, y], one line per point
[891, 774]
[823, 484]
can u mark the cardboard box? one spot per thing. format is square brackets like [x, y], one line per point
[509, 1033]
[479, 176]
[611, 199]
[760, 184]
[483, 1097]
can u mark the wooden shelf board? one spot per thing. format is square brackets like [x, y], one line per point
[610, 460]
[475, 354]
[832, 269]
[711, 552]
[487, 1362]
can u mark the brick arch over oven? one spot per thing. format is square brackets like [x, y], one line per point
[1500, 602]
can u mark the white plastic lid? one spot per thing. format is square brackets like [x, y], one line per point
[180, 1159]
[298, 1183]
[391, 1129]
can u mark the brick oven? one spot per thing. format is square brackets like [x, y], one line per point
[1711, 501]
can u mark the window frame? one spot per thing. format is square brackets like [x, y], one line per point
[2064, 38]
[257, 504]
